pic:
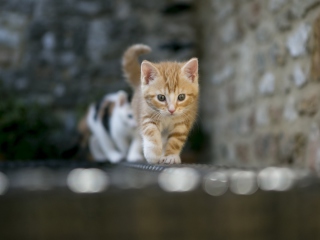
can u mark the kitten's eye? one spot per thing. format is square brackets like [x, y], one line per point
[161, 98]
[181, 97]
[130, 116]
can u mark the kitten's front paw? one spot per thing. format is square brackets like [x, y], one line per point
[170, 159]
[135, 157]
[115, 157]
[151, 157]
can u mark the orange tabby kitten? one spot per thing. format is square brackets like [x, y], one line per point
[165, 103]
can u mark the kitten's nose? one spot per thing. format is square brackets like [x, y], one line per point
[171, 110]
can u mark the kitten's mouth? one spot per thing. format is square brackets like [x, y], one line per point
[172, 114]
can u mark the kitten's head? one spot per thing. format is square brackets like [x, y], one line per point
[170, 88]
[123, 110]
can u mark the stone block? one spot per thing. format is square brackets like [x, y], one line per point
[244, 55]
[75, 35]
[67, 58]
[251, 14]
[297, 40]
[267, 84]
[221, 102]
[223, 9]
[180, 31]
[264, 32]
[123, 9]
[299, 8]
[289, 113]
[230, 31]
[13, 21]
[275, 114]
[221, 151]
[89, 8]
[21, 83]
[244, 124]
[227, 151]
[299, 75]
[308, 105]
[284, 20]
[262, 115]
[97, 40]
[231, 155]
[245, 89]
[68, 120]
[315, 50]
[59, 90]
[266, 146]
[313, 148]
[10, 38]
[286, 84]
[278, 54]
[150, 5]
[230, 92]
[276, 5]
[292, 148]
[225, 74]
[220, 129]
[249, 121]
[18, 6]
[207, 97]
[49, 41]
[6, 58]
[242, 152]
[300, 144]
[261, 61]
[286, 148]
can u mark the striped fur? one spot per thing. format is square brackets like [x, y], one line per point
[163, 125]
[131, 65]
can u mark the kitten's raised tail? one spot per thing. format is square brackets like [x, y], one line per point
[131, 65]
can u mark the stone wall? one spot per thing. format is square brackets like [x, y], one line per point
[63, 54]
[260, 73]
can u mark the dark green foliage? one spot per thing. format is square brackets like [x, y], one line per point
[197, 139]
[26, 131]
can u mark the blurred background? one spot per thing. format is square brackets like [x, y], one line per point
[260, 96]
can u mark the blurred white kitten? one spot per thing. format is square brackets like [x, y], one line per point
[113, 130]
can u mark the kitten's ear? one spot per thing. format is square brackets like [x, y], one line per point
[148, 72]
[190, 69]
[122, 98]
